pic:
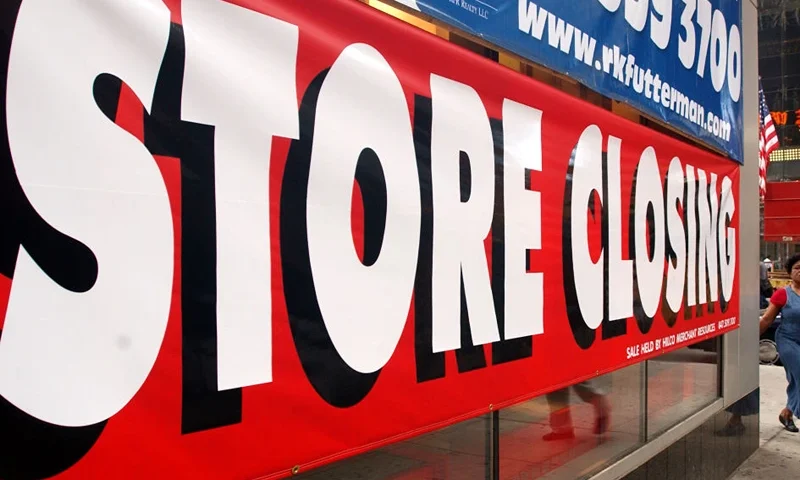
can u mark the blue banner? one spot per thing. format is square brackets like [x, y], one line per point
[677, 60]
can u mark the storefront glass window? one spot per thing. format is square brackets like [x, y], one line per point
[461, 451]
[573, 432]
[681, 383]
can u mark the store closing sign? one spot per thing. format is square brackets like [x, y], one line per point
[264, 235]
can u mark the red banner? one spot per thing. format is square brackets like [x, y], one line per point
[245, 236]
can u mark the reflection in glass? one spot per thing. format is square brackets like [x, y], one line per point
[573, 432]
[745, 407]
[681, 383]
[461, 451]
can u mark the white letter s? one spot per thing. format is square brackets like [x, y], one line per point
[67, 358]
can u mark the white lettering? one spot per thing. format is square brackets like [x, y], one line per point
[610, 5]
[524, 292]
[636, 13]
[676, 267]
[559, 33]
[707, 238]
[246, 114]
[531, 19]
[364, 307]
[620, 272]
[460, 124]
[587, 177]
[660, 27]
[727, 243]
[691, 222]
[649, 264]
[76, 358]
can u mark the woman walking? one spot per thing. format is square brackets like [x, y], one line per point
[787, 302]
[561, 417]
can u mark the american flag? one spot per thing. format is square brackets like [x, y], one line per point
[767, 140]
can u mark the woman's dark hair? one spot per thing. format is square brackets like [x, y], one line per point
[790, 263]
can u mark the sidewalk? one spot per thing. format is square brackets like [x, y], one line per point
[779, 454]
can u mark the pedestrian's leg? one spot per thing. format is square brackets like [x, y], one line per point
[789, 351]
[587, 391]
[792, 397]
[602, 410]
[560, 416]
[790, 388]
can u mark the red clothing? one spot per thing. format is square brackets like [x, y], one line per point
[779, 298]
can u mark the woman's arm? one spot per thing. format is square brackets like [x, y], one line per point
[769, 316]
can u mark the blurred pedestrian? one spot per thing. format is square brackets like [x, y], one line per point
[561, 416]
[786, 301]
[765, 287]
